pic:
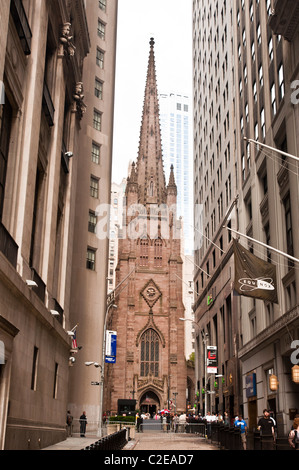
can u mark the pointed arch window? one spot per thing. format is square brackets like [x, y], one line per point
[158, 253]
[144, 248]
[149, 363]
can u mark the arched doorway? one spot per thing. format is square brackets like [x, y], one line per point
[149, 403]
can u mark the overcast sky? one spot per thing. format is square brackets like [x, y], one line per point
[169, 22]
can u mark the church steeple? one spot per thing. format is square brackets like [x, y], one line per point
[150, 172]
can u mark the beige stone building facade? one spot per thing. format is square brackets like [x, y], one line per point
[150, 362]
[43, 46]
[93, 197]
[245, 72]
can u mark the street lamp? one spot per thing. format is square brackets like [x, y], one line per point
[205, 338]
[110, 305]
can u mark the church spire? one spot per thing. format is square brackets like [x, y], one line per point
[150, 172]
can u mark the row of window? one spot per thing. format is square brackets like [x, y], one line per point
[96, 148]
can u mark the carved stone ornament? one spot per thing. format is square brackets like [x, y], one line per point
[79, 105]
[151, 293]
[66, 40]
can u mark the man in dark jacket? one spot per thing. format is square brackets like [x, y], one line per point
[83, 423]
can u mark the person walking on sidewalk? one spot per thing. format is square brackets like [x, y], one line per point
[241, 424]
[69, 423]
[83, 423]
[266, 427]
[294, 435]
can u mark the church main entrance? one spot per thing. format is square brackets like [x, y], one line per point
[149, 404]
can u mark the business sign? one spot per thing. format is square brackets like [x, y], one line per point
[251, 385]
[110, 353]
[212, 362]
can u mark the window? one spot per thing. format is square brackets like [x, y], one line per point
[101, 30]
[158, 253]
[258, 34]
[34, 368]
[288, 224]
[252, 51]
[281, 81]
[149, 364]
[254, 91]
[97, 120]
[261, 77]
[102, 4]
[98, 89]
[5, 130]
[94, 187]
[100, 58]
[270, 46]
[91, 259]
[263, 125]
[144, 245]
[55, 388]
[273, 99]
[95, 153]
[92, 222]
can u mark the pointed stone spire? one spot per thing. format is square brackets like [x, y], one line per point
[150, 172]
[172, 185]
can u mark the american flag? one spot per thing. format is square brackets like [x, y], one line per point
[74, 339]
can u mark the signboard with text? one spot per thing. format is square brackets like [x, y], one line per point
[110, 352]
[212, 362]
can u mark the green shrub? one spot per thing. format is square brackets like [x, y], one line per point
[122, 419]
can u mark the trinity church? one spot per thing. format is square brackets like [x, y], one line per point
[150, 365]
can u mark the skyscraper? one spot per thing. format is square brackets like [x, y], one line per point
[176, 129]
[215, 309]
[245, 62]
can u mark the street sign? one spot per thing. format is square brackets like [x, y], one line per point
[212, 366]
[110, 353]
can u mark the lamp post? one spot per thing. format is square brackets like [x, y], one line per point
[110, 305]
[205, 340]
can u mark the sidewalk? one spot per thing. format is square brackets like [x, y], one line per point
[73, 443]
[168, 441]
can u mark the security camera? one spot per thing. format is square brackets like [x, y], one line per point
[72, 360]
[69, 154]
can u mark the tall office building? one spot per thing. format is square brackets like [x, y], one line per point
[245, 62]
[266, 54]
[42, 49]
[215, 309]
[91, 240]
[176, 129]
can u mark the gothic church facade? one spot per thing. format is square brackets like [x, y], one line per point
[150, 364]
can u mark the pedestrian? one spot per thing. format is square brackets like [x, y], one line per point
[226, 419]
[69, 423]
[294, 435]
[182, 422]
[241, 424]
[209, 420]
[175, 423]
[266, 426]
[83, 423]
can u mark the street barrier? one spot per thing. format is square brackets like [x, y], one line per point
[115, 441]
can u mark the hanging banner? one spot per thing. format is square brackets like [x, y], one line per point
[110, 353]
[254, 277]
[212, 362]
